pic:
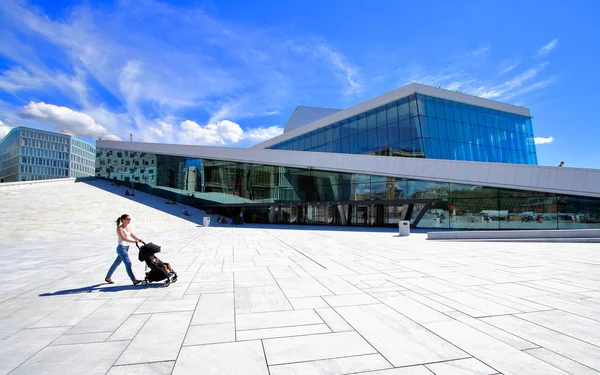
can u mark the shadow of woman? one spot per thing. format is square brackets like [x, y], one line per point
[100, 288]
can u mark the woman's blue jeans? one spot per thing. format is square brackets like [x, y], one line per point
[122, 256]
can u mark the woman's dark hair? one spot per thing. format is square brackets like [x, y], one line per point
[121, 218]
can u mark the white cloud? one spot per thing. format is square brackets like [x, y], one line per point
[222, 133]
[347, 70]
[479, 51]
[262, 134]
[547, 48]
[4, 129]
[271, 113]
[64, 118]
[513, 84]
[542, 140]
[508, 68]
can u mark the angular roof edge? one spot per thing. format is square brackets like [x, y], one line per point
[402, 92]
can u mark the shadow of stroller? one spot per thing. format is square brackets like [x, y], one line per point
[99, 288]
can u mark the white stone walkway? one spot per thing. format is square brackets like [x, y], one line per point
[278, 301]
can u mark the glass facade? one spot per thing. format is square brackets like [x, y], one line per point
[83, 158]
[30, 154]
[426, 127]
[274, 194]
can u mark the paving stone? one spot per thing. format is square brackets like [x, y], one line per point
[315, 347]
[230, 358]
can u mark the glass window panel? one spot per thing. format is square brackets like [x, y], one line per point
[381, 115]
[417, 147]
[430, 106]
[439, 108]
[321, 133]
[393, 136]
[363, 142]
[435, 149]
[392, 112]
[345, 145]
[456, 111]
[425, 131]
[382, 141]
[403, 112]
[461, 129]
[328, 134]
[443, 131]
[314, 140]
[380, 191]
[448, 110]
[344, 129]
[481, 112]
[436, 216]
[578, 212]
[474, 213]
[354, 144]
[362, 124]
[418, 189]
[329, 147]
[421, 105]
[353, 126]
[433, 127]
[528, 213]
[337, 147]
[445, 150]
[371, 120]
[473, 119]
[412, 106]
[415, 128]
[336, 131]
[404, 130]
[371, 143]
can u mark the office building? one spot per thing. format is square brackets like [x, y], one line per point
[28, 154]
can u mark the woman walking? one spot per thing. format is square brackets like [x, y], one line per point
[125, 236]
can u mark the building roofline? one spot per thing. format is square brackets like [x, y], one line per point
[572, 181]
[399, 93]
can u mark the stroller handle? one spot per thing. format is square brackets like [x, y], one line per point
[138, 246]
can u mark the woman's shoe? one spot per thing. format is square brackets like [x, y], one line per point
[109, 280]
[136, 282]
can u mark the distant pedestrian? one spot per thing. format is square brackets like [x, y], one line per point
[124, 236]
[562, 163]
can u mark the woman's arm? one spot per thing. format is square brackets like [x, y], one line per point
[136, 238]
[123, 238]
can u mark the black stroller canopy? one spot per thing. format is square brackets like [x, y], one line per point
[147, 250]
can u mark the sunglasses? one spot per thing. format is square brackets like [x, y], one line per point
[127, 218]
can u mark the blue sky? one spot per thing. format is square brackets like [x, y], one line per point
[231, 72]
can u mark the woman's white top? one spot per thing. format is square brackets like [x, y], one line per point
[127, 233]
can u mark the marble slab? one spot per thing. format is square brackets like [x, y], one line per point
[400, 340]
[315, 347]
[245, 357]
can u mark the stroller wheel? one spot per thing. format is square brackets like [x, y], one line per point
[174, 279]
[167, 283]
[144, 282]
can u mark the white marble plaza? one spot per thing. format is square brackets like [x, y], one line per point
[277, 301]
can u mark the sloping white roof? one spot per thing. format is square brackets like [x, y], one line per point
[575, 181]
[303, 115]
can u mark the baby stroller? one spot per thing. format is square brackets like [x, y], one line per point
[156, 273]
